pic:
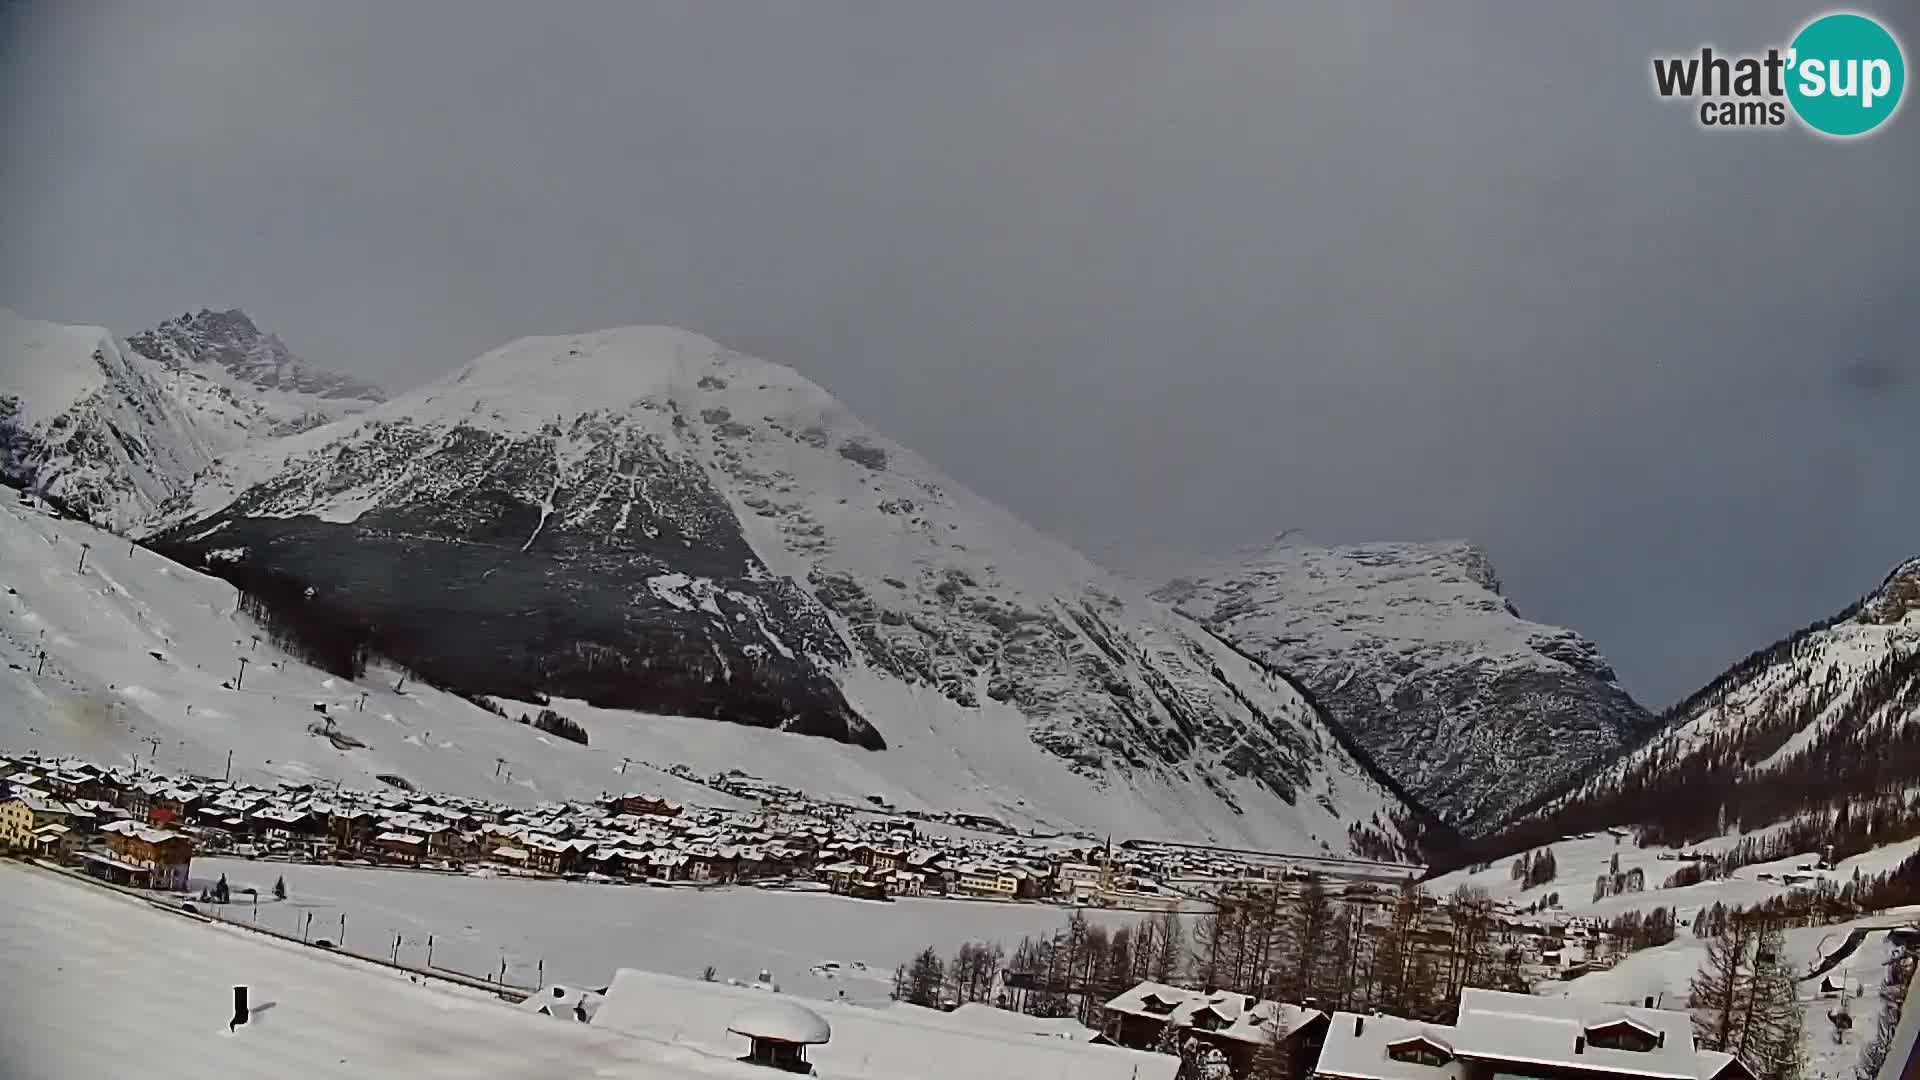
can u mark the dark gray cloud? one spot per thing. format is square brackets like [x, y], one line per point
[1163, 278]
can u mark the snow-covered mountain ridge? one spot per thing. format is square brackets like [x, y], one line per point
[1474, 709]
[1830, 711]
[644, 520]
[115, 430]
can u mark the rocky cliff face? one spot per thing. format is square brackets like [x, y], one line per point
[643, 520]
[1475, 710]
[242, 383]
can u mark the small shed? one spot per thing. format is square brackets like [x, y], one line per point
[780, 1032]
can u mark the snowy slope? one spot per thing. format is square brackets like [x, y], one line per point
[103, 694]
[101, 985]
[91, 423]
[1663, 974]
[118, 430]
[1832, 708]
[641, 519]
[1472, 708]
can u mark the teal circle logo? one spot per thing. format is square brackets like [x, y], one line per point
[1845, 74]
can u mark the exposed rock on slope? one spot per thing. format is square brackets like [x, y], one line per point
[1473, 709]
[644, 520]
[92, 424]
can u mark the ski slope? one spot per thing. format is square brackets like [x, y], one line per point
[142, 655]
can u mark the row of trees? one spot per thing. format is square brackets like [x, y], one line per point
[1535, 868]
[1258, 939]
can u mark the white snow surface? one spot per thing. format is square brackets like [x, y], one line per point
[94, 423]
[103, 985]
[945, 584]
[579, 933]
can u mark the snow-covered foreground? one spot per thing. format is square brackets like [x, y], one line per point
[101, 985]
[578, 934]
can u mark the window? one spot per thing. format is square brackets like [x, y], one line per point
[1622, 1035]
[1419, 1052]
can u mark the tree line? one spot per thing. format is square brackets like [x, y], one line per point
[1407, 955]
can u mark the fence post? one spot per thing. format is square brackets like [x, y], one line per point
[540, 974]
[429, 950]
[306, 926]
[343, 929]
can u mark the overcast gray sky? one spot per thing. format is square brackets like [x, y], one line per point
[1163, 278]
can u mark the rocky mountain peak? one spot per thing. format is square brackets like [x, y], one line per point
[231, 342]
[1412, 647]
[1896, 598]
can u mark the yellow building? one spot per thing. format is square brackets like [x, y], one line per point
[16, 824]
[21, 815]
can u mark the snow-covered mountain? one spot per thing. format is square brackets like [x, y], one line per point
[1829, 713]
[115, 431]
[242, 384]
[1411, 647]
[91, 423]
[642, 520]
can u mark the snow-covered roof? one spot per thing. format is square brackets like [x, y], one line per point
[782, 1021]
[1502, 1026]
[920, 1043]
[1356, 1049]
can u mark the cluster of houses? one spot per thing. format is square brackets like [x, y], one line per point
[142, 827]
[1496, 1034]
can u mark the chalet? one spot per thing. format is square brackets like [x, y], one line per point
[882, 859]
[351, 828]
[1237, 1025]
[402, 847]
[554, 856]
[639, 805]
[704, 864]
[1500, 1034]
[170, 806]
[56, 842]
[282, 823]
[143, 856]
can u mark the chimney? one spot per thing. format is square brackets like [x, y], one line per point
[1359, 1022]
[1579, 1044]
[1649, 1001]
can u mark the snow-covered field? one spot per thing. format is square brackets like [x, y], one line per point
[582, 932]
[101, 985]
